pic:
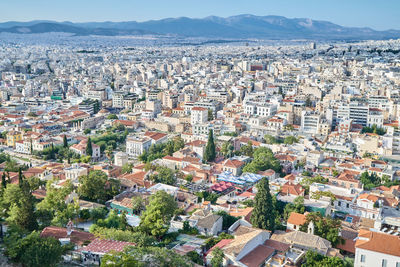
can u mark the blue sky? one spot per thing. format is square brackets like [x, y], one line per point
[377, 14]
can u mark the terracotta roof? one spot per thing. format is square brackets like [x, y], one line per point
[297, 218]
[76, 237]
[257, 256]
[155, 135]
[103, 246]
[292, 189]
[233, 163]
[369, 197]
[277, 245]
[220, 244]
[378, 242]
[199, 108]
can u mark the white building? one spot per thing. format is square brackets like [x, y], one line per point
[74, 171]
[198, 115]
[375, 249]
[356, 111]
[260, 109]
[310, 121]
[120, 159]
[135, 146]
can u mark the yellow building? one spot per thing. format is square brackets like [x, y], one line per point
[13, 137]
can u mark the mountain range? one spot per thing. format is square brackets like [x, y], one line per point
[237, 27]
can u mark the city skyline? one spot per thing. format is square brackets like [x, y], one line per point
[354, 14]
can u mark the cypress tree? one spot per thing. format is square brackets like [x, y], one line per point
[65, 141]
[89, 149]
[264, 213]
[20, 178]
[209, 154]
[3, 180]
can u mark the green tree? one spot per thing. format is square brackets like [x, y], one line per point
[308, 102]
[22, 213]
[264, 213]
[156, 218]
[369, 181]
[20, 178]
[179, 143]
[113, 220]
[247, 149]
[52, 210]
[269, 139]
[324, 227]
[209, 154]
[290, 140]
[164, 175]
[127, 168]
[65, 141]
[112, 117]
[313, 259]
[3, 181]
[228, 219]
[89, 149]
[217, 257]
[137, 204]
[87, 131]
[139, 238]
[97, 187]
[227, 149]
[32, 250]
[210, 115]
[195, 257]
[263, 159]
[296, 206]
[147, 256]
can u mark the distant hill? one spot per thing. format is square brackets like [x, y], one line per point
[241, 26]
[45, 27]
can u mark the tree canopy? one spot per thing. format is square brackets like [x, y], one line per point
[157, 216]
[209, 154]
[263, 160]
[32, 250]
[97, 187]
[264, 213]
[148, 256]
[324, 227]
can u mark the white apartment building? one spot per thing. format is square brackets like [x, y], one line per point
[356, 111]
[260, 109]
[310, 121]
[136, 146]
[118, 99]
[375, 117]
[198, 115]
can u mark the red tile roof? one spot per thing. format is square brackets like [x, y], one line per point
[378, 242]
[76, 237]
[297, 218]
[103, 246]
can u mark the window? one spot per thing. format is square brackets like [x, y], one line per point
[339, 203]
[347, 205]
[384, 263]
[397, 264]
[362, 258]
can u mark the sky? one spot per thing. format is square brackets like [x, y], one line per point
[377, 14]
